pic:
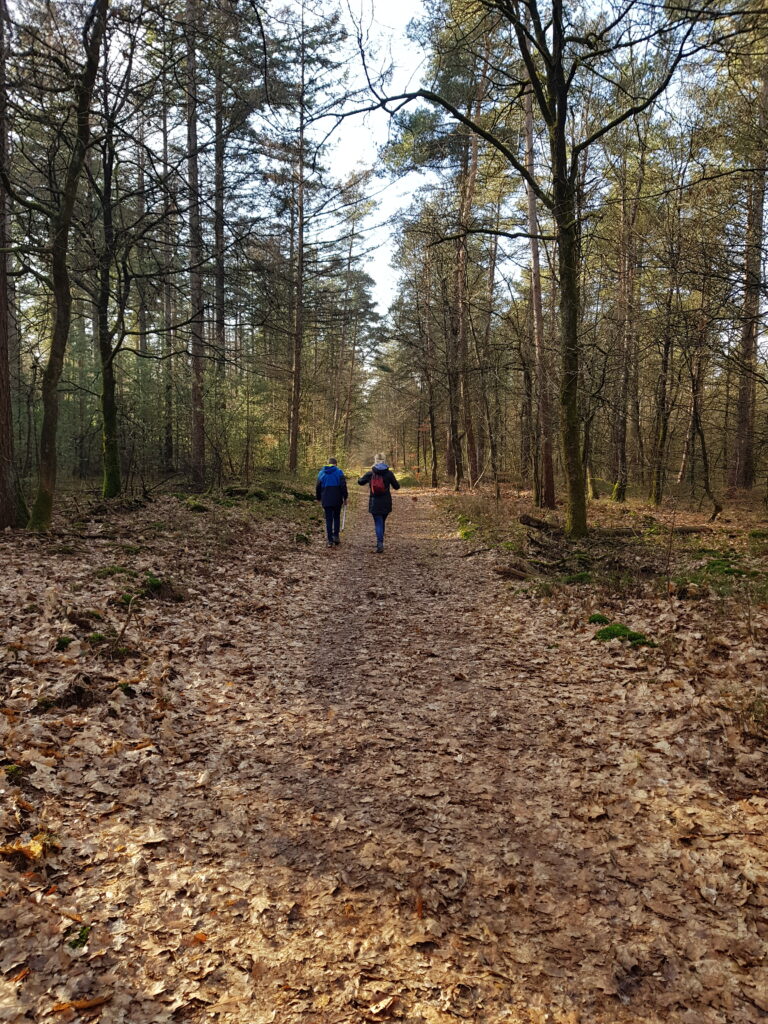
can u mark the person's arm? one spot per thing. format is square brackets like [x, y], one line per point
[318, 490]
[365, 478]
[344, 491]
[393, 480]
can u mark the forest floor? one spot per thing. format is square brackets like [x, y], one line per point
[250, 779]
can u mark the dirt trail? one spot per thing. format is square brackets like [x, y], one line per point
[393, 792]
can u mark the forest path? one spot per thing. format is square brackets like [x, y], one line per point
[359, 787]
[442, 802]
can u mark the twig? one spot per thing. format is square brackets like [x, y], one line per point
[669, 552]
[750, 628]
[717, 836]
[116, 644]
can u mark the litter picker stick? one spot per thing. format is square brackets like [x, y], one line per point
[343, 516]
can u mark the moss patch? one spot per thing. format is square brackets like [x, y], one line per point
[578, 577]
[617, 631]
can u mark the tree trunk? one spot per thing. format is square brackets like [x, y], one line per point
[61, 225]
[568, 263]
[168, 310]
[482, 354]
[13, 511]
[111, 485]
[452, 374]
[661, 423]
[197, 329]
[544, 470]
[741, 472]
[568, 256]
[298, 325]
[467, 189]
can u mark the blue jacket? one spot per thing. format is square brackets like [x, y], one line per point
[331, 488]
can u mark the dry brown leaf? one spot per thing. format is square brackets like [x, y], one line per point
[81, 1004]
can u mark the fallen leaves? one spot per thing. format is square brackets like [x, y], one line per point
[33, 848]
[81, 1004]
[337, 799]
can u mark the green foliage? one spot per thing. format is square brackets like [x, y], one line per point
[578, 577]
[598, 619]
[722, 571]
[94, 639]
[467, 528]
[758, 542]
[63, 642]
[107, 571]
[617, 631]
[81, 939]
[195, 505]
[408, 480]
[301, 538]
[153, 586]
[13, 772]
[420, 140]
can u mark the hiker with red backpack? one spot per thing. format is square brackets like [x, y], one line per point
[379, 479]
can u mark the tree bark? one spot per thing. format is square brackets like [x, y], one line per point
[111, 484]
[568, 258]
[61, 226]
[197, 327]
[13, 510]
[167, 294]
[741, 472]
[544, 471]
[455, 459]
[298, 325]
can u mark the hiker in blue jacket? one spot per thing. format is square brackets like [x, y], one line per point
[379, 479]
[331, 492]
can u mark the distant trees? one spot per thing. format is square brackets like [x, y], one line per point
[187, 273]
[647, 287]
[185, 268]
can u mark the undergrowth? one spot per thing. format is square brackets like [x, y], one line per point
[627, 552]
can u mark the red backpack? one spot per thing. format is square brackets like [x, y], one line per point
[377, 484]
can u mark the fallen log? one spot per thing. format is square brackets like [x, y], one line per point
[539, 524]
[511, 572]
[628, 531]
[616, 531]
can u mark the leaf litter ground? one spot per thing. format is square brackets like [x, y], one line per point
[290, 784]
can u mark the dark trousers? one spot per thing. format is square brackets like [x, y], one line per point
[333, 522]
